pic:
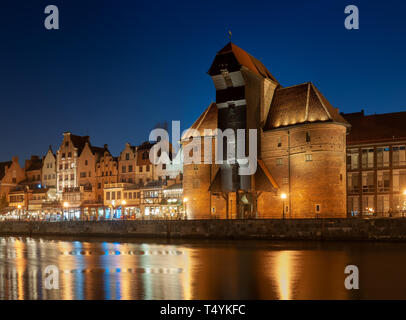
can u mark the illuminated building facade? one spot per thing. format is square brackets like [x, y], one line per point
[301, 168]
[376, 164]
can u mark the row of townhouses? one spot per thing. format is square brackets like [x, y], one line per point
[83, 181]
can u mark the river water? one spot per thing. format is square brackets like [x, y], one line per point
[152, 269]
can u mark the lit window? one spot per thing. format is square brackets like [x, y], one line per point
[308, 157]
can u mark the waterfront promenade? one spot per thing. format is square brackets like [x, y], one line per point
[382, 229]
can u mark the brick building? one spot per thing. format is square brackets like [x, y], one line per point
[300, 138]
[376, 164]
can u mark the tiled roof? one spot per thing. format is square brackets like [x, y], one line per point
[242, 58]
[376, 127]
[207, 120]
[300, 104]
[97, 150]
[79, 142]
[3, 166]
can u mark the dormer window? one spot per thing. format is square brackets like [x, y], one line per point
[307, 137]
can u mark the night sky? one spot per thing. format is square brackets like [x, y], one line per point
[117, 68]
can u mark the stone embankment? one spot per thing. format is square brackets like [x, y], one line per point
[292, 229]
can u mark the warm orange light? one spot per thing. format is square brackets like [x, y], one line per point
[283, 196]
[66, 204]
[185, 199]
[19, 206]
[123, 202]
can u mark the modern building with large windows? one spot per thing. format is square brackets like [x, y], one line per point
[376, 164]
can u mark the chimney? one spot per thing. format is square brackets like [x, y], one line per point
[14, 159]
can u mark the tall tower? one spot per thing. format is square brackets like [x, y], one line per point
[244, 90]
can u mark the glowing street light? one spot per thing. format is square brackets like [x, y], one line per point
[123, 203]
[283, 197]
[185, 200]
[66, 206]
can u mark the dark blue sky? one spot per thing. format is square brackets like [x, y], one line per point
[116, 68]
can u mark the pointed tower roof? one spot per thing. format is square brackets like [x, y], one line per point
[300, 104]
[234, 58]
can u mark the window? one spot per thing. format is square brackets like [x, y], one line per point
[130, 168]
[127, 156]
[69, 154]
[318, 208]
[123, 169]
[399, 180]
[130, 195]
[113, 195]
[60, 167]
[367, 158]
[353, 205]
[140, 167]
[195, 167]
[307, 137]
[163, 166]
[63, 155]
[352, 159]
[279, 142]
[130, 180]
[368, 205]
[147, 168]
[353, 182]
[279, 161]
[99, 185]
[383, 181]
[83, 174]
[382, 157]
[308, 157]
[382, 205]
[398, 156]
[107, 195]
[118, 195]
[368, 184]
[196, 183]
[72, 176]
[86, 162]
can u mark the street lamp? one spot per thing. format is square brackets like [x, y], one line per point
[66, 206]
[283, 197]
[19, 211]
[185, 200]
[123, 203]
[113, 203]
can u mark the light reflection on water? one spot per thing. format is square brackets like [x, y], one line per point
[97, 269]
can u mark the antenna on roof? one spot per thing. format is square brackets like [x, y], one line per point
[229, 35]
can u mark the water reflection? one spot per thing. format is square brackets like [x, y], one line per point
[97, 269]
